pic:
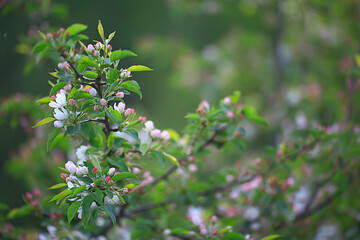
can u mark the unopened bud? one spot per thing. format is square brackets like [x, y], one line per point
[230, 114]
[93, 92]
[63, 175]
[120, 94]
[227, 101]
[58, 124]
[93, 184]
[28, 196]
[125, 190]
[109, 47]
[96, 108]
[111, 171]
[191, 158]
[129, 111]
[72, 101]
[142, 119]
[90, 48]
[107, 179]
[36, 192]
[95, 170]
[213, 219]
[103, 102]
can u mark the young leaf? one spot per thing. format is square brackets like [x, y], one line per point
[101, 30]
[59, 185]
[61, 195]
[120, 54]
[271, 237]
[114, 115]
[44, 100]
[40, 46]
[81, 94]
[172, 158]
[86, 210]
[159, 156]
[112, 75]
[110, 211]
[57, 87]
[98, 196]
[88, 62]
[110, 140]
[132, 86]
[123, 175]
[90, 74]
[73, 208]
[139, 68]
[78, 190]
[52, 138]
[44, 121]
[75, 29]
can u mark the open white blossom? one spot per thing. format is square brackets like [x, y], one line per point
[61, 114]
[120, 107]
[60, 101]
[80, 153]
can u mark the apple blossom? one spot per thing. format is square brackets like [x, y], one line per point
[129, 111]
[60, 114]
[107, 179]
[120, 107]
[80, 171]
[230, 114]
[59, 102]
[58, 124]
[165, 135]
[227, 101]
[120, 94]
[149, 125]
[142, 119]
[90, 48]
[103, 102]
[155, 133]
[63, 175]
[71, 167]
[72, 101]
[95, 170]
[111, 171]
[80, 153]
[93, 92]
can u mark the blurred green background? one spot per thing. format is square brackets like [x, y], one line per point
[288, 58]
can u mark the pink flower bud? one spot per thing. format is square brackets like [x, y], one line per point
[227, 101]
[191, 233]
[191, 158]
[67, 87]
[34, 203]
[258, 161]
[63, 175]
[131, 190]
[278, 154]
[109, 47]
[98, 45]
[239, 106]
[96, 52]
[68, 179]
[142, 119]
[36, 192]
[28, 196]
[96, 108]
[129, 111]
[112, 183]
[213, 219]
[155, 133]
[136, 170]
[149, 125]
[120, 94]
[165, 135]
[52, 216]
[103, 102]
[193, 167]
[118, 152]
[72, 101]
[116, 173]
[230, 114]
[111, 171]
[95, 170]
[215, 232]
[93, 184]
[90, 48]
[107, 179]
[125, 190]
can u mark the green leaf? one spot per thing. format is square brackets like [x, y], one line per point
[193, 116]
[44, 121]
[86, 210]
[172, 159]
[235, 97]
[144, 148]
[139, 68]
[111, 35]
[132, 86]
[159, 156]
[52, 138]
[110, 140]
[112, 75]
[44, 100]
[59, 185]
[57, 87]
[123, 175]
[90, 74]
[88, 61]
[233, 236]
[119, 163]
[75, 29]
[40, 46]
[81, 94]
[271, 237]
[101, 30]
[20, 212]
[110, 211]
[95, 162]
[61, 195]
[120, 54]
[73, 208]
[98, 196]
[78, 190]
[72, 130]
[114, 115]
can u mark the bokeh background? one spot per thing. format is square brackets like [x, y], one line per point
[290, 59]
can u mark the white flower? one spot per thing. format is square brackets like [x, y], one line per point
[149, 125]
[93, 205]
[80, 171]
[60, 101]
[251, 213]
[115, 200]
[58, 124]
[52, 230]
[79, 212]
[80, 153]
[167, 231]
[165, 135]
[71, 167]
[120, 107]
[195, 214]
[193, 167]
[144, 136]
[155, 133]
[70, 185]
[61, 114]
[93, 92]
[227, 101]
